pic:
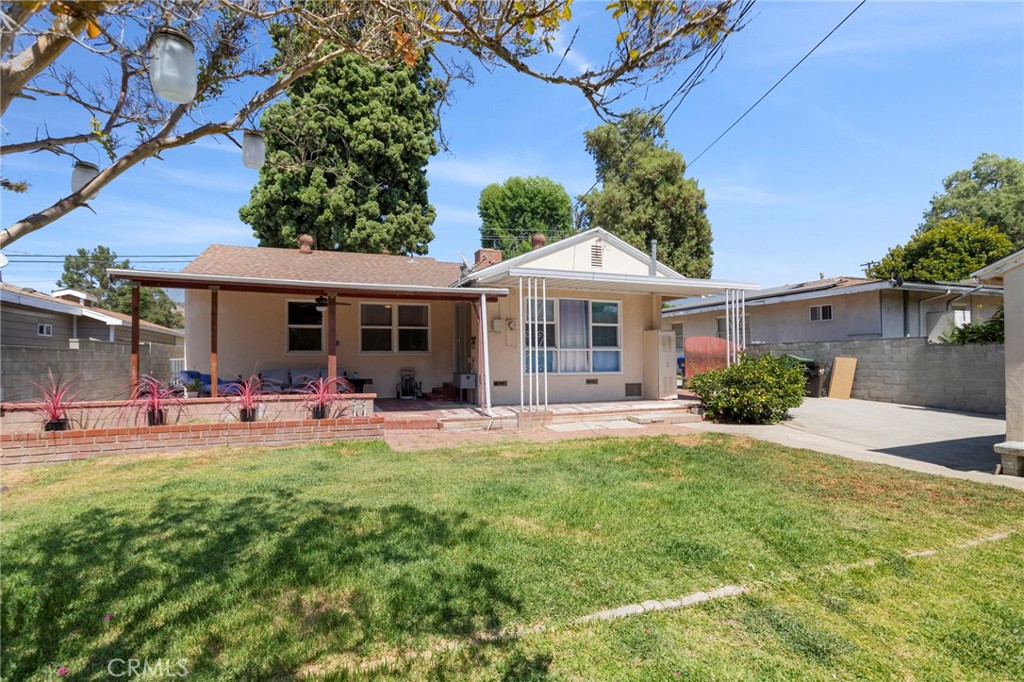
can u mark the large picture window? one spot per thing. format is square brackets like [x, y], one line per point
[389, 328]
[582, 336]
[305, 328]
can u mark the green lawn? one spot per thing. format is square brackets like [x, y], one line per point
[314, 562]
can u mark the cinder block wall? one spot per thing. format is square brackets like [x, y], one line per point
[99, 370]
[966, 378]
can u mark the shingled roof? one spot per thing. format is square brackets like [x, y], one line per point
[322, 266]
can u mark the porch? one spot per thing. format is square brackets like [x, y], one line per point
[450, 415]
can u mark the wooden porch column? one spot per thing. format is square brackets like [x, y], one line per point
[332, 343]
[135, 336]
[213, 341]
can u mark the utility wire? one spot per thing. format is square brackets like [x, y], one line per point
[688, 83]
[777, 83]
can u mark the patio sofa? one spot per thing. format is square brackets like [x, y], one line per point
[295, 380]
[224, 387]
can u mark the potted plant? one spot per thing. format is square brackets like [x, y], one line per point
[247, 395]
[151, 399]
[320, 393]
[57, 399]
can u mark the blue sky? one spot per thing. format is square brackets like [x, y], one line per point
[831, 170]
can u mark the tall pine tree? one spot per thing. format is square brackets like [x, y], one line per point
[346, 160]
[645, 195]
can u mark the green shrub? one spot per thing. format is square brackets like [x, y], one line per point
[986, 331]
[754, 390]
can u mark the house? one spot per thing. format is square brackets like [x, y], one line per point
[56, 332]
[841, 309]
[576, 320]
[1009, 274]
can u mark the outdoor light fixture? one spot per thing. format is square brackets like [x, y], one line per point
[172, 65]
[321, 303]
[83, 174]
[254, 149]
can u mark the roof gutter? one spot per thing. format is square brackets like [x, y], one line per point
[199, 281]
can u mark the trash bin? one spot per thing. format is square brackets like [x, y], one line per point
[814, 376]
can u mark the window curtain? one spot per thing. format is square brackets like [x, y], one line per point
[573, 328]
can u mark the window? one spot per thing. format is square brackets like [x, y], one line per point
[44, 329]
[582, 336]
[821, 313]
[305, 328]
[383, 328]
[680, 339]
[746, 328]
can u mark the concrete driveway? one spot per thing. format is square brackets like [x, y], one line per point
[940, 442]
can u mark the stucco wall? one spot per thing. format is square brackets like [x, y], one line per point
[254, 336]
[913, 372]
[870, 314]
[636, 315]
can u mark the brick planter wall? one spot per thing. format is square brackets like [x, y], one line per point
[27, 449]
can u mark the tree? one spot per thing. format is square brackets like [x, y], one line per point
[347, 157]
[645, 194]
[515, 210]
[948, 252]
[992, 190]
[91, 56]
[86, 271]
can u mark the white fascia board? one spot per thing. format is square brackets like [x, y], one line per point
[39, 303]
[106, 319]
[997, 269]
[497, 270]
[213, 280]
[632, 279]
[697, 308]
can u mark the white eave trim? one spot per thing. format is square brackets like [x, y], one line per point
[495, 271]
[1001, 266]
[752, 302]
[642, 282]
[40, 303]
[194, 278]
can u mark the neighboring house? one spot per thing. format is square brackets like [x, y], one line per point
[575, 320]
[32, 318]
[841, 309]
[1009, 273]
[65, 332]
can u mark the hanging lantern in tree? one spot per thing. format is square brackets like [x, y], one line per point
[172, 65]
[82, 174]
[254, 149]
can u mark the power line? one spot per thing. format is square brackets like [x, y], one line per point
[778, 82]
[688, 83]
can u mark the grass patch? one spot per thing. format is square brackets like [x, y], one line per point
[310, 562]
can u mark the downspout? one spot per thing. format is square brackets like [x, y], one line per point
[906, 313]
[654, 257]
[920, 312]
[968, 293]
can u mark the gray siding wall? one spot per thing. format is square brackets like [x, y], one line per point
[99, 370]
[913, 372]
[19, 326]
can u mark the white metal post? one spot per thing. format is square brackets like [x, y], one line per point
[728, 336]
[529, 340]
[544, 284]
[485, 332]
[520, 329]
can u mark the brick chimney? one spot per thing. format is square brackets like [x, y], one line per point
[537, 241]
[485, 257]
[305, 243]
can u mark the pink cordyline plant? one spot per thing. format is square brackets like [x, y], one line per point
[247, 395]
[322, 392]
[151, 399]
[57, 399]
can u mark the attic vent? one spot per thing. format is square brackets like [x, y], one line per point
[596, 256]
[634, 390]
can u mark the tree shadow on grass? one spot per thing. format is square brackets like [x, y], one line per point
[252, 588]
